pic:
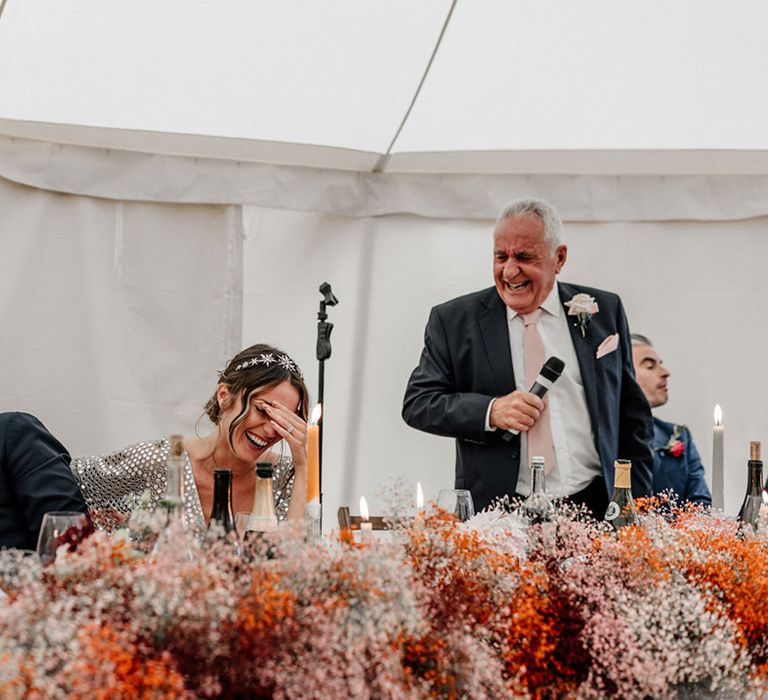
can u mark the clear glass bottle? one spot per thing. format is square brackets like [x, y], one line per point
[537, 508]
[173, 501]
[173, 539]
[749, 513]
[262, 521]
[621, 510]
[222, 522]
[262, 518]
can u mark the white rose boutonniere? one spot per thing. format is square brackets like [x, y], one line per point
[583, 307]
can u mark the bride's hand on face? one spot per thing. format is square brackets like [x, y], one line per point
[292, 428]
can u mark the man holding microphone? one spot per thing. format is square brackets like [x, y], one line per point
[484, 351]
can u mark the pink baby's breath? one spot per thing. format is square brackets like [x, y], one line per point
[485, 609]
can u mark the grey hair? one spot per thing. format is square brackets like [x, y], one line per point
[638, 339]
[532, 206]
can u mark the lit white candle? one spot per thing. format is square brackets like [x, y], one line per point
[718, 483]
[419, 496]
[366, 526]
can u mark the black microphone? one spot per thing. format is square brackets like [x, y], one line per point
[548, 375]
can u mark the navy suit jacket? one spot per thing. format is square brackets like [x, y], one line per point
[684, 474]
[467, 361]
[34, 479]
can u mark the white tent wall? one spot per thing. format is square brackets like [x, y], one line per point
[696, 288]
[114, 317]
[120, 299]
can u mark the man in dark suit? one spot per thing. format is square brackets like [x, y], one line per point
[35, 479]
[676, 462]
[470, 383]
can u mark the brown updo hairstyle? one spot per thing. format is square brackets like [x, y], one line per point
[254, 370]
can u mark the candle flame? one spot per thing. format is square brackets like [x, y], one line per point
[317, 411]
[419, 496]
[718, 415]
[363, 508]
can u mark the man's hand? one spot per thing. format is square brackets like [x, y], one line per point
[516, 411]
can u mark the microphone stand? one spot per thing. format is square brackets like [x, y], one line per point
[324, 329]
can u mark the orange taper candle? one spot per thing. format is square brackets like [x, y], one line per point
[313, 456]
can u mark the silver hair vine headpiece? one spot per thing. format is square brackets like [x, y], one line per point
[267, 359]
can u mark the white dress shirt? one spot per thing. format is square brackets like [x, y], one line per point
[577, 460]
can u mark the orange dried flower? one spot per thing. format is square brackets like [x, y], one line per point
[117, 666]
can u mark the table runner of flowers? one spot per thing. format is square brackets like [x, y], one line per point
[484, 609]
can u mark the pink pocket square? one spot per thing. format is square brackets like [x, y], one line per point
[607, 346]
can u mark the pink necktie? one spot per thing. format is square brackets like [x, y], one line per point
[540, 435]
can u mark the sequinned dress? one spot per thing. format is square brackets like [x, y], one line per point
[113, 485]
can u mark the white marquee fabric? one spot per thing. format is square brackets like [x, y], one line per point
[122, 175]
[588, 84]
[114, 316]
[177, 179]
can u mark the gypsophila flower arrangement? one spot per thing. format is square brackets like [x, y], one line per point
[669, 609]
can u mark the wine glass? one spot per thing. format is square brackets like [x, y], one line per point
[458, 502]
[55, 526]
[241, 523]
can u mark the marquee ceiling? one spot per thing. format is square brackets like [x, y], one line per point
[397, 86]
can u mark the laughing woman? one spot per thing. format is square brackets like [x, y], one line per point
[260, 399]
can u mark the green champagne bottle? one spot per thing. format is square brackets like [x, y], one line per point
[621, 510]
[222, 522]
[749, 513]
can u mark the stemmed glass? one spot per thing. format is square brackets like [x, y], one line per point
[241, 524]
[458, 502]
[55, 526]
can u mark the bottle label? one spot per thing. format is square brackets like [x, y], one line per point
[261, 523]
[613, 511]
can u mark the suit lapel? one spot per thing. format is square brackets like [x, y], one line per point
[493, 328]
[585, 354]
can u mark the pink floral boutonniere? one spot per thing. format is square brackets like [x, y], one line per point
[675, 446]
[583, 306]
